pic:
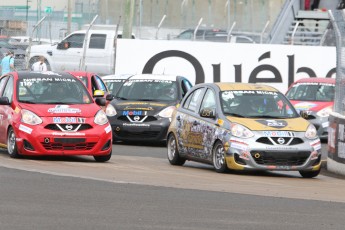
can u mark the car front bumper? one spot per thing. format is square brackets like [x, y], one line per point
[300, 155]
[36, 140]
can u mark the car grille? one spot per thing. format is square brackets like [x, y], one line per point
[274, 140]
[55, 127]
[148, 118]
[280, 158]
[68, 144]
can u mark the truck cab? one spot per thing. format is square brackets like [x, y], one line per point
[67, 55]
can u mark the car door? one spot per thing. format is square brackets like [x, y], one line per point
[98, 59]
[188, 121]
[6, 112]
[68, 58]
[3, 81]
[208, 125]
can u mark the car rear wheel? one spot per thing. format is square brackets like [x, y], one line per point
[309, 174]
[11, 144]
[173, 154]
[103, 158]
[218, 156]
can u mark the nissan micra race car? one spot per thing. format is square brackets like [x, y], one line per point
[52, 113]
[242, 126]
[142, 108]
[315, 96]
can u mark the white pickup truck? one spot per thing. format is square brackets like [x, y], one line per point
[69, 54]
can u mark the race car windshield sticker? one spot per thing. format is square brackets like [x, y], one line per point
[31, 81]
[273, 123]
[313, 83]
[63, 109]
[252, 92]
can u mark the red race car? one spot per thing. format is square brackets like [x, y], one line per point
[52, 113]
[316, 97]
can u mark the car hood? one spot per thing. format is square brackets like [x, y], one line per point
[311, 105]
[262, 124]
[40, 48]
[54, 110]
[150, 106]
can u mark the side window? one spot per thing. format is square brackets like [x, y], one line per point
[8, 92]
[93, 85]
[192, 101]
[2, 83]
[209, 100]
[101, 84]
[97, 41]
[76, 40]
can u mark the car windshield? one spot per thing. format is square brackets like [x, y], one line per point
[148, 90]
[114, 85]
[311, 92]
[52, 90]
[256, 103]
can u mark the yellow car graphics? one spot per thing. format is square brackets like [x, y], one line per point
[242, 127]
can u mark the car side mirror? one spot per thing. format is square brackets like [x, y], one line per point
[304, 114]
[63, 45]
[109, 97]
[98, 93]
[100, 101]
[208, 113]
[4, 101]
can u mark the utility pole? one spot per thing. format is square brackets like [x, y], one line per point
[69, 16]
[128, 22]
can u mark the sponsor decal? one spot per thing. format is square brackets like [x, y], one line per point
[305, 105]
[142, 103]
[59, 120]
[107, 129]
[220, 122]
[63, 109]
[136, 124]
[68, 134]
[325, 124]
[273, 123]
[281, 148]
[316, 144]
[277, 134]
[134, 113]
[239, 145]
[25, 129]
[17, 110]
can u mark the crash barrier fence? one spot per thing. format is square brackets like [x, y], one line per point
[336, 130]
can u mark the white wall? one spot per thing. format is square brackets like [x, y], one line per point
[276, 65]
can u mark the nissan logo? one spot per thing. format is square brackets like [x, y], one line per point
[136, 118]
[69, 127]
[281, 140]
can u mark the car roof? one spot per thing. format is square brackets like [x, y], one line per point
[153, 77]
[244, 86]
[316, 80]
[82, 73]
[115, 76]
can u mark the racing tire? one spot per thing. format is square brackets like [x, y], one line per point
[309, 174]
[218, 158]
[103, 158]
[173, 153]
[12, 148]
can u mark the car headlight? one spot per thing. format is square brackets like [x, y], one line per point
[30, 118]
[325, 112]
[167, 112]
[110, 111]
[311, 132]
[101, 118]
[238, 130]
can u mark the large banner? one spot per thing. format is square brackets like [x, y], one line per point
[276, 65]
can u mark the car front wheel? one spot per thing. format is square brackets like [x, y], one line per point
[11, 144]
[218, 156]
[173, 154]
[103, 158]
[309, 174]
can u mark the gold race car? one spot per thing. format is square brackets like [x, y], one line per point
[242, 126]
